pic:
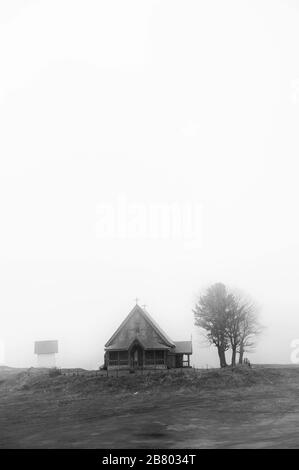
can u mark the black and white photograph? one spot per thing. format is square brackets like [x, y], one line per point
[149, 255]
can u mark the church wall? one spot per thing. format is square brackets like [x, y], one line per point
[146, 367]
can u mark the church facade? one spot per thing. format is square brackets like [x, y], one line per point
[140, 343]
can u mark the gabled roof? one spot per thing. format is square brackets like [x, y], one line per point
[183, 347]
[125, 345]
[164, 337]
[158, 328]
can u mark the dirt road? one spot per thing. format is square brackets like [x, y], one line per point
[259, 416]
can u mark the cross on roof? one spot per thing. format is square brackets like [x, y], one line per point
[136, 300]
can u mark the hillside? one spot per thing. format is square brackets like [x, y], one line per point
[38, 380]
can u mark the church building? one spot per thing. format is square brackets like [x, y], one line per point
[140, 343]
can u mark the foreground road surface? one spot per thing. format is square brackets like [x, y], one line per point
[259, 416]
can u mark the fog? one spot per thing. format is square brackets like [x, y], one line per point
[190, 103]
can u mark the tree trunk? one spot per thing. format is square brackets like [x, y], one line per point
[241, 354]
[234, 353]
[221, 354]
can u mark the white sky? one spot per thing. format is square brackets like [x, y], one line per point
[165, 102]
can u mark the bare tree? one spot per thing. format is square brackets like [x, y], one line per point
[250, 329]
[243, 326]
[210, 314]
[233, 326]
[229, 319]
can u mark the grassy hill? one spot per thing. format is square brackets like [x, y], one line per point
[38, 380]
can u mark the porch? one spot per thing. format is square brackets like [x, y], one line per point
[136, 358]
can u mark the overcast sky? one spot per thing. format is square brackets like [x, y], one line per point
[191, 103]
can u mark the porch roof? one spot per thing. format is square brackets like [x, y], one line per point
[183, 347]
[126, 344]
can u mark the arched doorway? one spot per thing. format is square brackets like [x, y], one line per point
[136, 356]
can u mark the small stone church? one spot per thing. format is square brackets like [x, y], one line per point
[140, 343]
